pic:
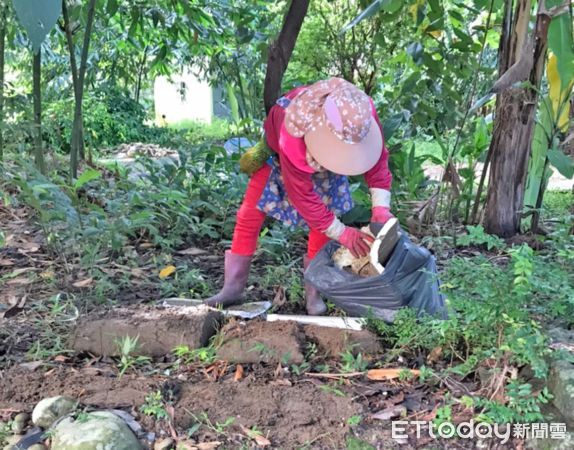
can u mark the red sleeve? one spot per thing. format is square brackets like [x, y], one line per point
[303, 197]
[380, 176]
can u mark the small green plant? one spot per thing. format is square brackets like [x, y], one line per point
[443, 414]
[405, 375]
[522, 406]
[300, 369]
[154, 406]
[83, 417]
[352, 363]
[354, 443]
[203, 420]
[262, 349]
[354, 421]
[203, 355]
[477, 236]
[425, 374]
[523, 268]
[127, 346]
[331, 389]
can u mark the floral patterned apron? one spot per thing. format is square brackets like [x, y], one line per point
[333, 189]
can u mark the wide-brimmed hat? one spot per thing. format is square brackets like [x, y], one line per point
[336, 120]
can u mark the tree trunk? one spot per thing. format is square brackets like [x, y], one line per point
[37, 94]
[280, 51]
[514, 125]
[78, 127]
[2, 54]
[141, 69]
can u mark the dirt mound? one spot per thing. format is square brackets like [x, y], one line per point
[256, 341]
[21, 389]
[287, 342]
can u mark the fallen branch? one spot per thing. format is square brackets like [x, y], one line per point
[335, 376]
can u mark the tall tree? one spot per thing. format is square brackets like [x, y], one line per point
[78, 77]
[280, 51]
[38, 17]
[3, 25]
[522, 58]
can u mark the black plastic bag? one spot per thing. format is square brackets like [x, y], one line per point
[410, 279]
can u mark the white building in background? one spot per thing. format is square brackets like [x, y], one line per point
[185, 97]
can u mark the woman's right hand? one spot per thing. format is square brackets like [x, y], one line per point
[356, 241]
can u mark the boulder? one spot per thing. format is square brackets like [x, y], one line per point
[550, 444]
[19, 423]
[561, 386]
[95, 431]
[51, 409]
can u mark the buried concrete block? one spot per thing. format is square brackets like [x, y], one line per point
[158, 330]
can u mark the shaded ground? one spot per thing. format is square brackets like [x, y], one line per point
[290, 411]
[42, 296]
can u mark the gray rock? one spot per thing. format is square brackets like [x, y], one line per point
[10, 441]
[51, 409]
[19, 423]
[164, 444]
[96, 431]
[38, 447]
[551, 444]
[561, 385]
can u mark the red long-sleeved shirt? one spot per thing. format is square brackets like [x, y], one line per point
[297, 178]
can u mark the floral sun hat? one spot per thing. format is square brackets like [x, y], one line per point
[335, 118]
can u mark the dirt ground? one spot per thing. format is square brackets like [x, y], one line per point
[290, 407]
[291, 412]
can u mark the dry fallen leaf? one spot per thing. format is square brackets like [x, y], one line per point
[84, 283]
[32, 365]
[388, 374]
[17, 272]
[261, 440]
[166, 272]
[208, 445]
[434, 355]
[238, 373]
[281, 382]
[61, 358]
[6, 262]
[31, 247]
[19, 281]
[47, 275]
[280, 298]
[390, 413]
[192, 251]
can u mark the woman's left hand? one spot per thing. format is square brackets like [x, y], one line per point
[379, 216]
